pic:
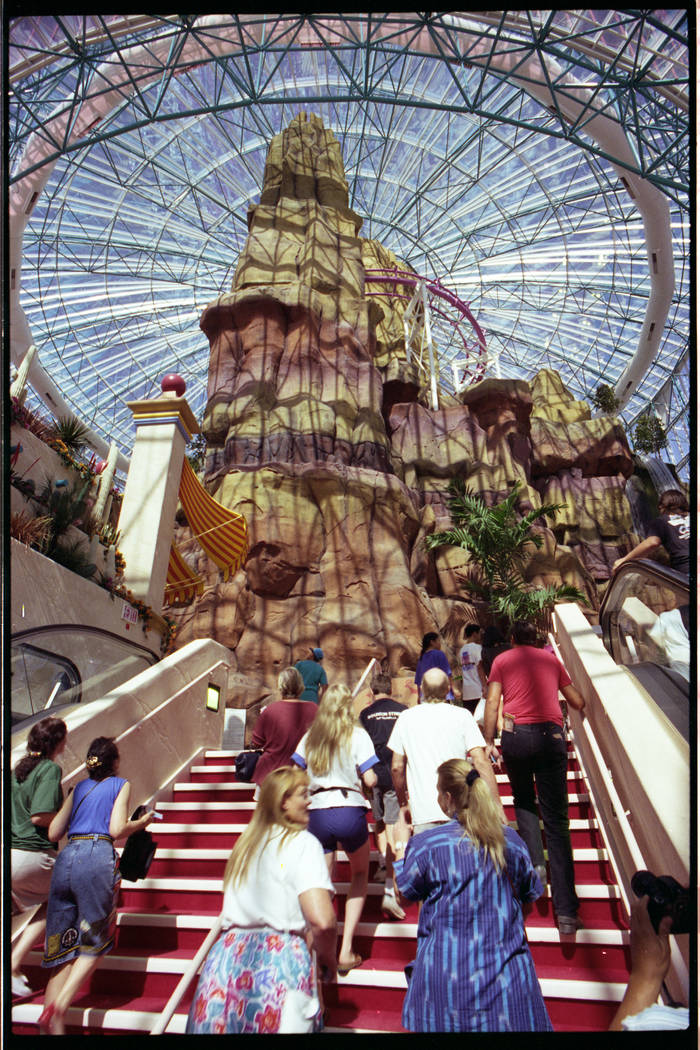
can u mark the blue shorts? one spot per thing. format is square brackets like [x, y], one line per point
[341, 825]
[82, 900]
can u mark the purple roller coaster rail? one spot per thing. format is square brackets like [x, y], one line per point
[474, 351]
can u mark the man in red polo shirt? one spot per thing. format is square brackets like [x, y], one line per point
[534, 749]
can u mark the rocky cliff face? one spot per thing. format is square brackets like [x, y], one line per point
[319, 432]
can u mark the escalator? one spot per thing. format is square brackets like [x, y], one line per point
[644, 618]
[57, 667]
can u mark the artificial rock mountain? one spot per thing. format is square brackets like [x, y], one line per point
[318, 431]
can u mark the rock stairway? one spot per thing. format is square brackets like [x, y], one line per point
[163, 920]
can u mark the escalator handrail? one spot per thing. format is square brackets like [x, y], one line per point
[662, 574]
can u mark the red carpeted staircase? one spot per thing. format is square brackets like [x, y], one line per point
[163, 920]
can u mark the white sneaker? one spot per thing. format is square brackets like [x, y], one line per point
[392, 908]
[21, 986]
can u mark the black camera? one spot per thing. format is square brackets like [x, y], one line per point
[666, 897]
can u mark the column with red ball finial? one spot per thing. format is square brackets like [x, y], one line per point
[164, 425]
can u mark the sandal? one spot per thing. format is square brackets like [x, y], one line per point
[357, 960]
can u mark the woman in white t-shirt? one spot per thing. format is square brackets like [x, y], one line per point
[259, 975]
[339, 755]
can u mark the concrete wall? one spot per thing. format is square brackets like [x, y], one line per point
[44, 593]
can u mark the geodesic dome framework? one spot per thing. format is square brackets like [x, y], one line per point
[535, 163]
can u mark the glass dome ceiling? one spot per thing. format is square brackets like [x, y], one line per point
[480, 149]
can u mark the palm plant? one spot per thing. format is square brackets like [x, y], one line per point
[70, 431]
[499, 541]
[64, 506]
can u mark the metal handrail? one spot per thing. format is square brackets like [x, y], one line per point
[187, 977]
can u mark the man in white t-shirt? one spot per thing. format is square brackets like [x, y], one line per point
[423, 738]
[473, 677]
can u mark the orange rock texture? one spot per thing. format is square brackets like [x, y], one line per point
[319, 432]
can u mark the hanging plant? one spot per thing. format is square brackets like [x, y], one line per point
[168, 636]
[604, 400]
[649, 435]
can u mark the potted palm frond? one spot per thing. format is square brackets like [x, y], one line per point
[498, 539]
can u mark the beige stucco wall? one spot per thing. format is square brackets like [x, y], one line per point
[44, 593]
[647, 757]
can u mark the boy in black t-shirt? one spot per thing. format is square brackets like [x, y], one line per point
[379, 718]
[672, 529]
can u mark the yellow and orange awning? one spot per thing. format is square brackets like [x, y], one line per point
[181, 585]
[222, 534]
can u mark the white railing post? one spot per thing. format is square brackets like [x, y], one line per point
[365, 673]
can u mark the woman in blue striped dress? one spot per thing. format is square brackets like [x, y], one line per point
[473, 970]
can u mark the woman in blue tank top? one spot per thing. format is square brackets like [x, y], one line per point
[85, 880]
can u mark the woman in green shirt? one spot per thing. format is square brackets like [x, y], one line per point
[36, 798]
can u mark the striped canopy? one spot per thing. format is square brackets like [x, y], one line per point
[222, 534]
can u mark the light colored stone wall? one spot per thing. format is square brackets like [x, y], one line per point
[44, 593]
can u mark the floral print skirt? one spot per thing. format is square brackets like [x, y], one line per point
[256, 981]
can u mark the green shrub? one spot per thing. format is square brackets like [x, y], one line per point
[604, 399]
[649, 435]
[72, 556]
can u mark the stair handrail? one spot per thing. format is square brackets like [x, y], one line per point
[186, 979]
[365, 674]
[625, 827]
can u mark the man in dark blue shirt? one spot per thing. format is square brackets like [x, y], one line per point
[671, 529]
[379, 718]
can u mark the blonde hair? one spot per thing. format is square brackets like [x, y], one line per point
[268, 815]
[476, 809]
[290, 682]
[331, 729]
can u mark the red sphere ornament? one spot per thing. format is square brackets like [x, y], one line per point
[173, 383]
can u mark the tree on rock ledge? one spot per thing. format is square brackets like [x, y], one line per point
[499, 541]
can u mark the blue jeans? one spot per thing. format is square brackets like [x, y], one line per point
[82, 900]
[536, 754]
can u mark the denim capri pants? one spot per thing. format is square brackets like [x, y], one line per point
[82, 901]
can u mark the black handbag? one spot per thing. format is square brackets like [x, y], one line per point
[139, 850]
[245, 764]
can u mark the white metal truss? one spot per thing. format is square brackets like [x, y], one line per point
[418, 334]
[509, 154]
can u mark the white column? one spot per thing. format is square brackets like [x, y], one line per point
[146, 523]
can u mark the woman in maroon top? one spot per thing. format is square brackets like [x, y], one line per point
[282, 724]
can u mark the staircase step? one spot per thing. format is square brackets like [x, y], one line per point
[209, 862]
[216, 832]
